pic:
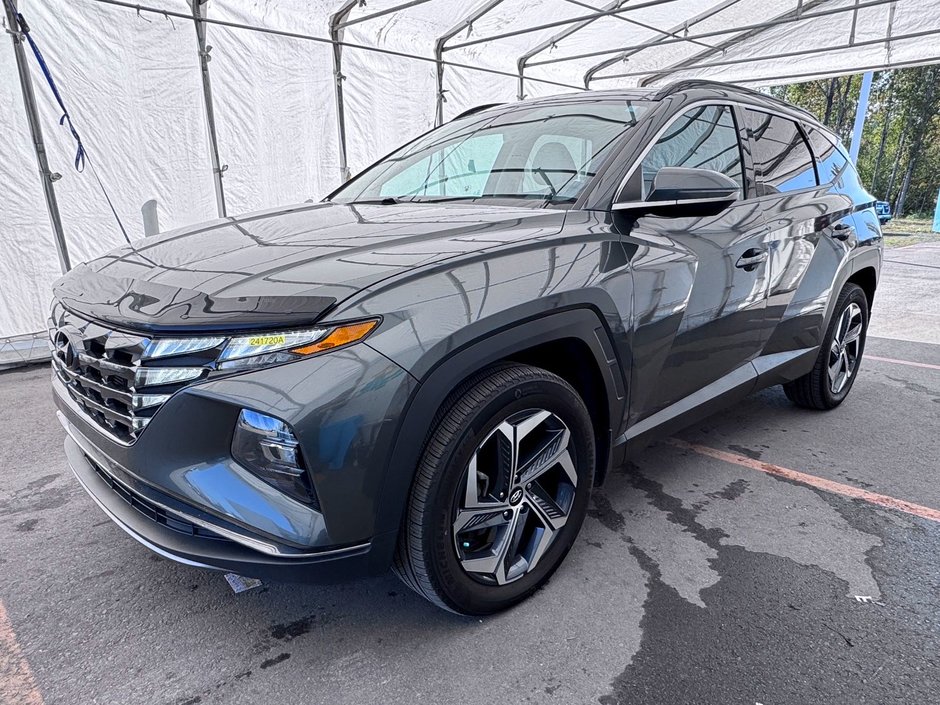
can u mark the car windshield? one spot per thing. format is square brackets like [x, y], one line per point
[544, 154]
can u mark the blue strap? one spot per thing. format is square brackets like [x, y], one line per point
[80, 157]
[66, 118]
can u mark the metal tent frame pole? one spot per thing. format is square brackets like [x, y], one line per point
[766, 24]
[848, 71]
[644, 25]
[553, 40]
[684, 26]
[796, 15]
[35, 131]
[342, 24]
[137, 7]
[570, 20]
[440, 48]
[780, 55]
[337, 22]
[217, 168]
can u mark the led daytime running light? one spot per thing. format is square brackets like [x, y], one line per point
[261, 343]
[166, 347]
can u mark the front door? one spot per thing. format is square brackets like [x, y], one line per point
[701, 283]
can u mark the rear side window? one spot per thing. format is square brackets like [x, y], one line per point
[831, 162]
[781, 156]
[705, 138]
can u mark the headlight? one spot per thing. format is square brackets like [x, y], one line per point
[273, 347]
[168, 347]
[268, 448]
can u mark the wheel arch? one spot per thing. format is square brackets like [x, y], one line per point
[866, 278]
[862, 269]
[579, 330]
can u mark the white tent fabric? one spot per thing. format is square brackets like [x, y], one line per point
[132, 83]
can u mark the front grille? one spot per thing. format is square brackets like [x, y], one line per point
[151, 510]
[106, 373]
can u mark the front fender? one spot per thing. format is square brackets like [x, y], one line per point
[446, 364]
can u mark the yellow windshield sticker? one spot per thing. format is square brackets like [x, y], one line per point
[265, 340]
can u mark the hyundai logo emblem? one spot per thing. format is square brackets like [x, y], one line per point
[516, 496]
[65, 350]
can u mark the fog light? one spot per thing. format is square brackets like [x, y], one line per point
[267, 447]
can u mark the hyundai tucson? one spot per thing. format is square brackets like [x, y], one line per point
[430, 369]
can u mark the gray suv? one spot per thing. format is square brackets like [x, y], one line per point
[432, 368]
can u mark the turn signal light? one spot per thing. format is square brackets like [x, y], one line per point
[338, 337]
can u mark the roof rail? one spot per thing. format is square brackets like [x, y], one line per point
[477, 109]
[694, 83]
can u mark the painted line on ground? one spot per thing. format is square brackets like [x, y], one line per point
[880, 500]
[897, 339]
[924, 365]
[17, 685]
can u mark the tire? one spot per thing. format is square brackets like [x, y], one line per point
[817, 390]
[534, 407]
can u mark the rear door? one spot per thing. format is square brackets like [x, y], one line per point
[700, 283]
[811, 229]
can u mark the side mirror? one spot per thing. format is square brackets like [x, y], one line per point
[680, 192]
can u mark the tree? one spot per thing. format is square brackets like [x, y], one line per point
[899, 160]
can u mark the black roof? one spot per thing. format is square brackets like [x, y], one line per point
[656, 94]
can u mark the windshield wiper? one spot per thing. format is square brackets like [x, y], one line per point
[386, 201]
[548, 182]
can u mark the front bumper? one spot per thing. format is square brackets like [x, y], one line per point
[177, 490]
[221, 553]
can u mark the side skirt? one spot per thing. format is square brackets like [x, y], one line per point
[764, 371]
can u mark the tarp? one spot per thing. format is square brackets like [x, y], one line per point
[133, 85]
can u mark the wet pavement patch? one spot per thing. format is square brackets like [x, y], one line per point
[292, 630]
[280, 658]
[775, 631]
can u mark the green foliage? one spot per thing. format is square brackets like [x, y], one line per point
[899, 160]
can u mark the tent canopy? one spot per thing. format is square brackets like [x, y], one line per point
[303, 92]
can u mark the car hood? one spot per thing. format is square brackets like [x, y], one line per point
[283, 267]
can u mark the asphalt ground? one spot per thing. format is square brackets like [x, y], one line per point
[733, 564]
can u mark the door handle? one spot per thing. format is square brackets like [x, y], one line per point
[841, 231]
[751, 258]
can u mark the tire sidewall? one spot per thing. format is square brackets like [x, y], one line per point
[852, 294]
[451, 580]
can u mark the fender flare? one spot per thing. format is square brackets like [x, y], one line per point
[582, 323]
[868, 257]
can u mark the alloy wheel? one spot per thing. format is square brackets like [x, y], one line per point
[517, 493]
[843, 353]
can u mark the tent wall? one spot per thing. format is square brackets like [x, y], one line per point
[28, 259]
[133, 84]
[132, 87]
[273, 96]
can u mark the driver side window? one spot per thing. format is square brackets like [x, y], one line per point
[704, 137]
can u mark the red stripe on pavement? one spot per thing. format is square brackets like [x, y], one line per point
[925, 365]
[880, 500]
[17, 685]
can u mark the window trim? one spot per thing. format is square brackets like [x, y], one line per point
[638, 161]
[758, 181]
[837, 145]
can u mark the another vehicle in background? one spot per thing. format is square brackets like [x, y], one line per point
[883, 211]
